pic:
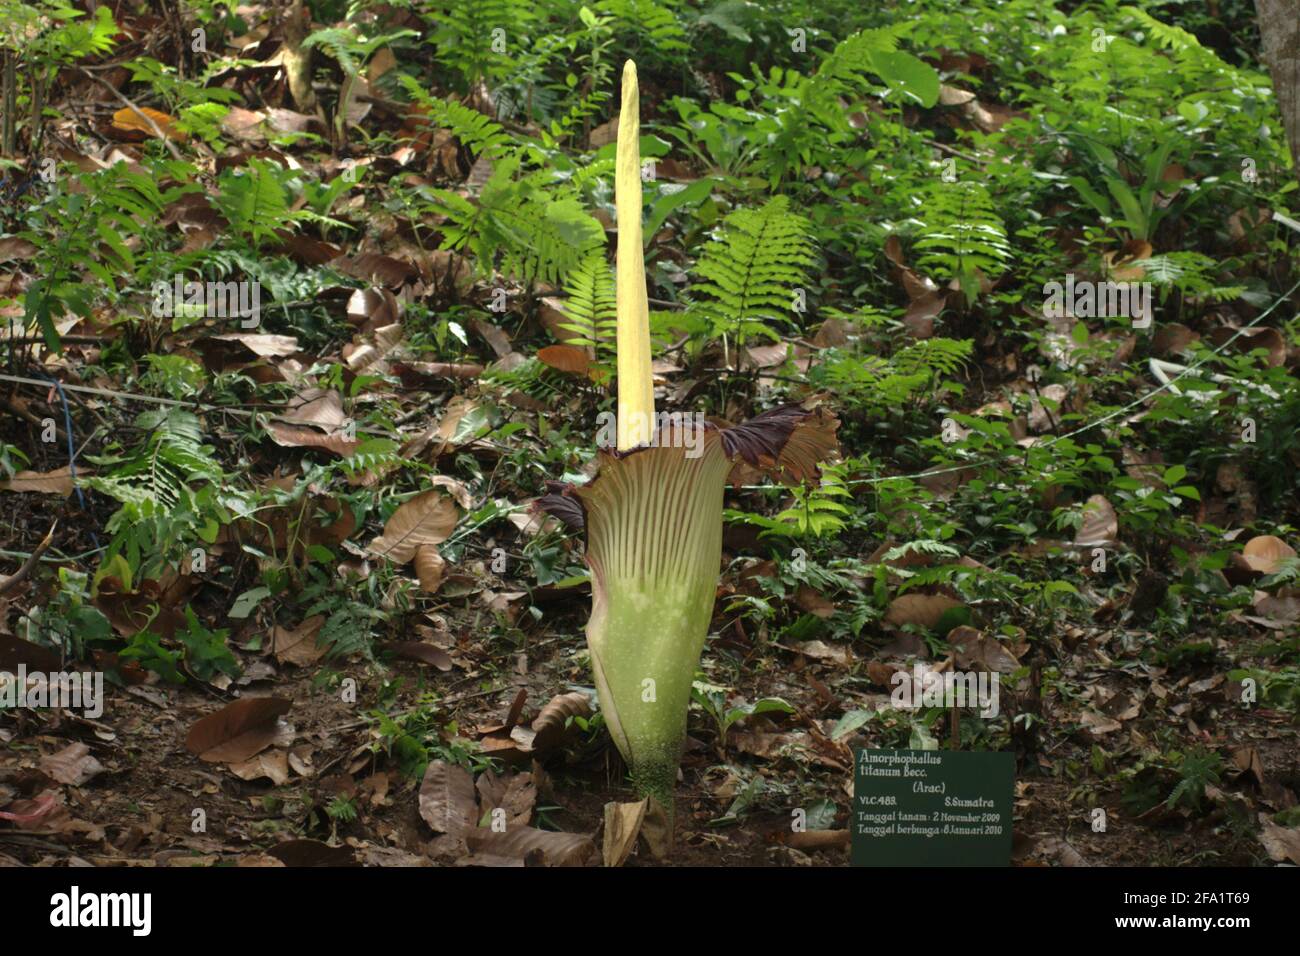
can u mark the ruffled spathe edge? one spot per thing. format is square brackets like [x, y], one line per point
[787, 443]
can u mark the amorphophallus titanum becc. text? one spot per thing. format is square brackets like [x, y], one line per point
[653, 515]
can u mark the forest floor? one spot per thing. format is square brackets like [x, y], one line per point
[334, 629]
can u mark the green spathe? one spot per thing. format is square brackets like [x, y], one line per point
[653, 522]
[654, 544]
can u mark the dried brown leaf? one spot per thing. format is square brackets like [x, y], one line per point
[237, 731]
[447, 801]
[426, 519]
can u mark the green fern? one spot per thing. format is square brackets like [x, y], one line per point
[751, 275]
[52, 32]
[963, 237]
[537, 234]
[349, 630]
[816, 511]
[480, 134]
[469, 37]
[652, 24]
[935, 356]
[153, 479]
[1197, 769]
[855, 53]
[1168, 36]
[921, 546]
[878, 382]
[88, 229]
[254, 200]
[1191, 273]
[590, 305]
[350, 49]
[874, 51]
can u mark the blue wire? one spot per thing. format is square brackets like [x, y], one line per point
[72, 451]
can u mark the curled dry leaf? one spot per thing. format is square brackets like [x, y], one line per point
[298, 646]
[882, 675]
[953, 96]
[976, 650]
[1265, 553]
[301, 436]
[1098, 723]
[455, 488]
[767, 356]
[1282, 843]
[426, 519]
[622, 827]
[261, 344]
[238, 731]
[271, 764]
[530, 847]
[494, 336]
[373, 308]
[1282, 608]
[423, 653]
[1247, 340]
[813, 601]
[565, 358]
[516, 795]
[132, 120]
[923, 610]
[56, 482]
[73, 765]
[821, 651]
[1100, 527]
[424, 374]
[551, 722]
[12, 247]
[921, 313]
[314, 406]
[374, 267]
[429, 568]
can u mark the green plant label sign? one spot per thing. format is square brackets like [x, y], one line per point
[932, 808]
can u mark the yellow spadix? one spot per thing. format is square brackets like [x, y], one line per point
[636, 398]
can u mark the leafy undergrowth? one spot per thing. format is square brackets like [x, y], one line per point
[306, 309]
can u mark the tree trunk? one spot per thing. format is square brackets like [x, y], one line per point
[1279, 30]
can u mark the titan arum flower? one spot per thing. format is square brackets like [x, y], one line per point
[653, 515]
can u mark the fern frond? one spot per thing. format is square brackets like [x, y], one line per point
[648, 21]
[1166, 35]
[153, 479]
[935, 356]
[480, 134]
[469, 36]
[338, 43]
[963, 235]
[751, 274]
[254, 200]
[537, 234]
[590, 305]
[854, 53]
